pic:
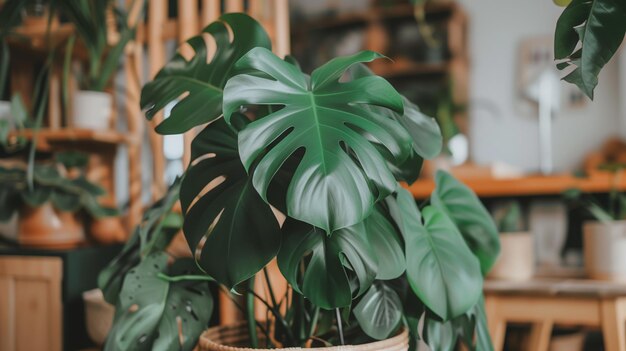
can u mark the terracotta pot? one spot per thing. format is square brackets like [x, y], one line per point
[98, 316]
[604, 246]
[107, 230]
[47, 227]
[235, 338]
[517, 257]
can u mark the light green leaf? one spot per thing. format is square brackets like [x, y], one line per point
[379, 311]
[341, 174]
[334, 261]
[220, 203]
[199, 81]
[468, 214]
[441, 269]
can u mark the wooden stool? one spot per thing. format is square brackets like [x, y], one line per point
[544, 303]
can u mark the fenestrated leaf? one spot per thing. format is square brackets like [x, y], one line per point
[385, 241]
[341, 173]
[441, 269]
[333, 260]
[379, 311]
[200, 78]
[470, 216]
[111, 278]
[242, 234]
[152, 311]
[599, 25]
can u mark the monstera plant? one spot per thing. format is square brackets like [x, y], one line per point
[327, 150]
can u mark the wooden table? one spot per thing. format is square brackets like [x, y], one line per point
[546, 302]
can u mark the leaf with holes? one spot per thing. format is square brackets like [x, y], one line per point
[199, 82]
[221, 205]
[379, 311]
[599, 26]
[341, 174]
[152, 311]
[333, 261]
[470, 216]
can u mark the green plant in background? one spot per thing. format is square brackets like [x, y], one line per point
[50, 184]
[510, 221]
[90, 19]
[327, 150]
[615, 209]
[588, 34]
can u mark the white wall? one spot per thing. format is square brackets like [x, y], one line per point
[503, 133]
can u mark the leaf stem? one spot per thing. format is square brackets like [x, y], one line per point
[254, 340]
[180, 278]
[339, 326]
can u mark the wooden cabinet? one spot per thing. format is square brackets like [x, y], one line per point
[30, 303]
[41, 306]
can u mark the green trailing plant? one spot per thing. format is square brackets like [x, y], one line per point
[588, 33]
[89, 18]
[327, 150]
[510, 221]
[50, 185]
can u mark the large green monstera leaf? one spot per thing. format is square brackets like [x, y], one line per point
[221, 205]
[201, 79]
[154, 314]
[599, 26]
[470, 216]
[441, 269]
[341, 174]
[334, 261]
[386, 242]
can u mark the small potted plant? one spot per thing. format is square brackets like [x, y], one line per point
[604, 238]
[49, 206]
[517, 251]
[364, 263]
[92, 105]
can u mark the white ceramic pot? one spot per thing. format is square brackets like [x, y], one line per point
[517, 257]
[92, 110]
[98, 315]
[5, 110]
[604, 246]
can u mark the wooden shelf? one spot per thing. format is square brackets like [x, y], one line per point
[364, 17]
[599, 182]
[404, 70]
[65, 136]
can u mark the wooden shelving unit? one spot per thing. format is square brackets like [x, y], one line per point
[76, 137]
[533, 185]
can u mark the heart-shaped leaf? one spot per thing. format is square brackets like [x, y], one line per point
[221, 205]
[385, 241]
[379, 311]
[201, 78]
[334, 261]
[341, 173]
[599, 25]
[152, 311]
[470, 216]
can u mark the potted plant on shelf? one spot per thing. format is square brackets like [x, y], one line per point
[363, 261]
[517, 250]
[604, 239]
[92, 105]
[48, 209]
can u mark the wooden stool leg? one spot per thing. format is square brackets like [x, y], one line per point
[613, 328]
[540, 336]
[496, 324]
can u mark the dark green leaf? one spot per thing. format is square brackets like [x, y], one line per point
[333, 261]
[511, 220]
[111, 278]
[199, 82]
[332, 186]
[379, 311]
[599, 25]
[37, 196]
[65, 201]
[472, 219]
[242, 234]
[441, 269]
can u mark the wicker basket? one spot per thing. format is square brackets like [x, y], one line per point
[235, 338]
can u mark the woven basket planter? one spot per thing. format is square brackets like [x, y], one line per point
[235, 338]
